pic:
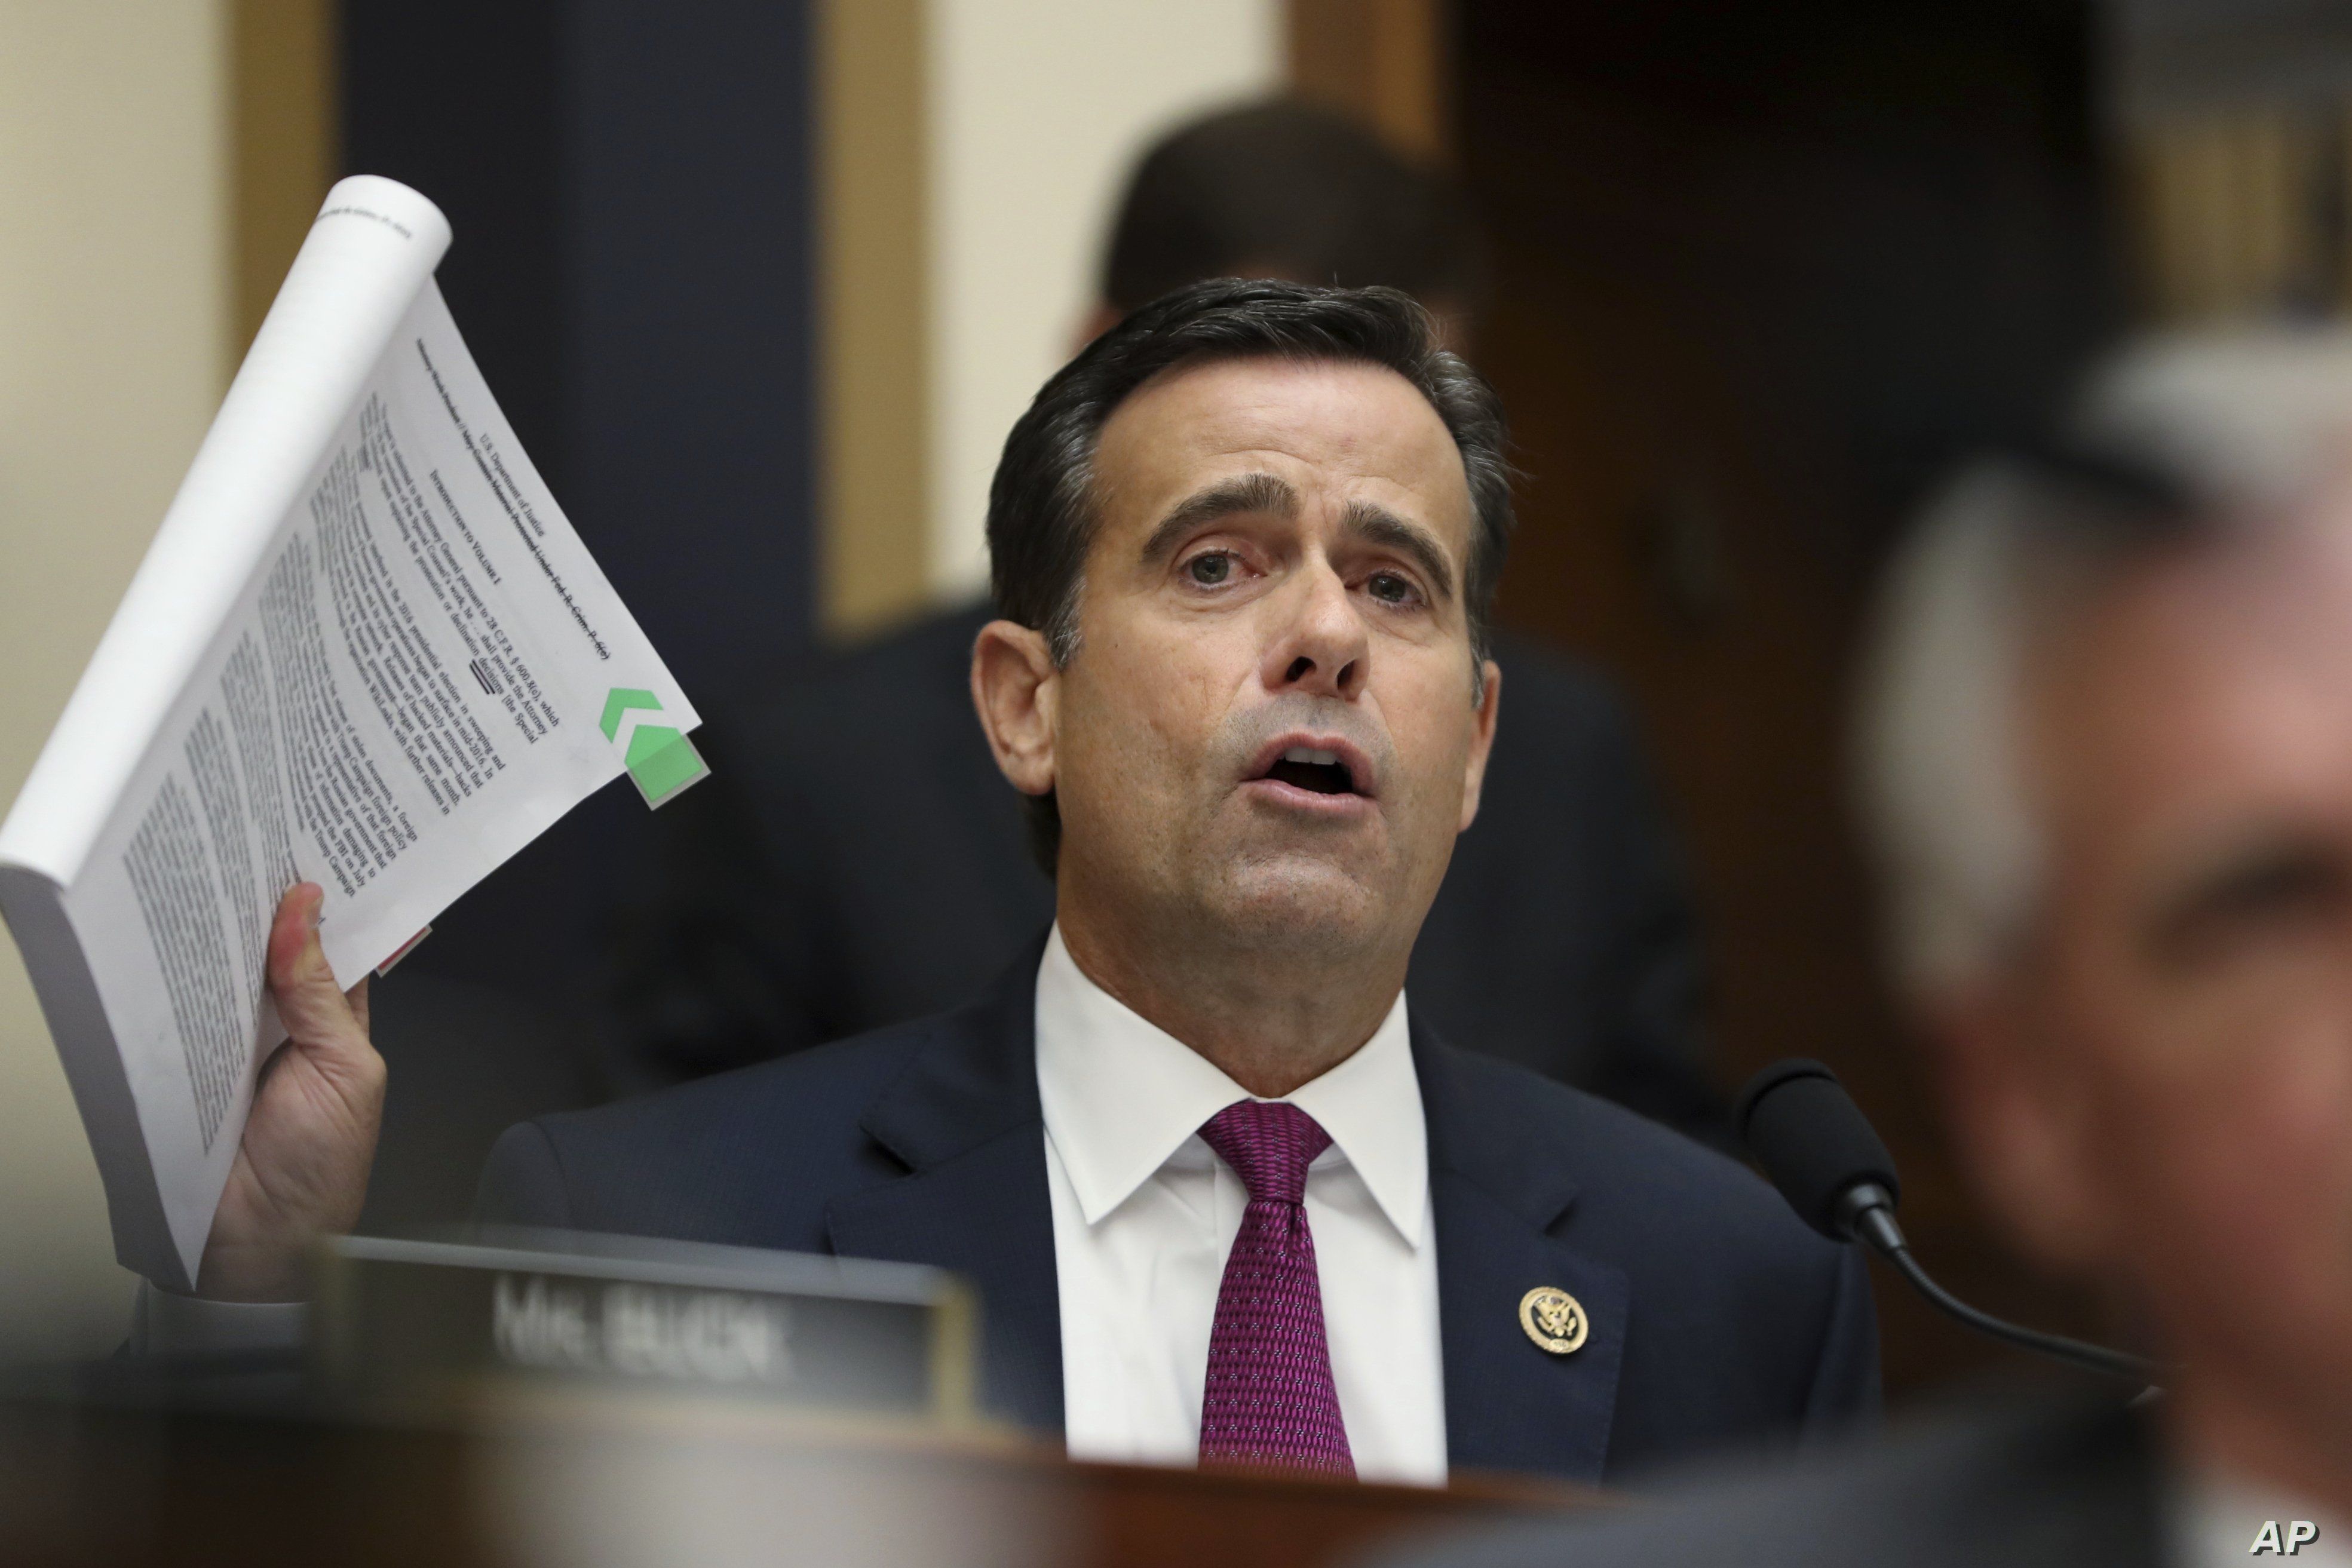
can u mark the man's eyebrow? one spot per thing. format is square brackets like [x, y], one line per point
[1377, 525]
[1225, 498]
[2256, 875]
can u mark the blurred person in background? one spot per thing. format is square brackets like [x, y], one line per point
[857, 859]
[2109, 753]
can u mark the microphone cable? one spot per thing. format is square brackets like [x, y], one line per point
[1822, 1155]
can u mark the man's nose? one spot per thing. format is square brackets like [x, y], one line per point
[1322, 647]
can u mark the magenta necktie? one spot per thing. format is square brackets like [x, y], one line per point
[1269, 1398]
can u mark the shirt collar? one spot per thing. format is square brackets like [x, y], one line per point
[1120, 1095]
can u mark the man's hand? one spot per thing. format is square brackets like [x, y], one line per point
[302, 1170]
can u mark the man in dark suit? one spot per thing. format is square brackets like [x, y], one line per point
[1562, 939]
[1223, 1195]
[2110, 751]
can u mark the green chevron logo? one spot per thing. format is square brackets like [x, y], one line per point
[662, 762]
[620, 700]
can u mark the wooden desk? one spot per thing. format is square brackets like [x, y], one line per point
[590, 1481]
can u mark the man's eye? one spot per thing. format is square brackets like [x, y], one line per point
[2275, 895]
[1389, 587]
[1211, 569]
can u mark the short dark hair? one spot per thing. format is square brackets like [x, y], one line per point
[1041, 506]
[1284, 189]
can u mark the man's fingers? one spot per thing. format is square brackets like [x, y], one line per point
[302, 1166]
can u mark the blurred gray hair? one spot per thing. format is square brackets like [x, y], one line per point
[2182, 438]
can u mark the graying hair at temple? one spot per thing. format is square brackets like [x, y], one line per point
[2181, 440]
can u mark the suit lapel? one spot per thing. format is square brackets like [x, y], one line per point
[1500, 1193]
[963, 1117]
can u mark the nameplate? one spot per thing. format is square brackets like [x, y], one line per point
[411, 1322]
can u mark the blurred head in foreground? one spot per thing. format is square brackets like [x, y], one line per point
[2109, 758]
[1283, 189]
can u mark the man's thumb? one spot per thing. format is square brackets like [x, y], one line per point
[309, 1003]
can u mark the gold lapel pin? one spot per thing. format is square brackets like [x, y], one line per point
[1553, 1319]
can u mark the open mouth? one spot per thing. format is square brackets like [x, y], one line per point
[1323, 772]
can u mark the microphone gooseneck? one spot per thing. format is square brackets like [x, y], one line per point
[1826, 1159]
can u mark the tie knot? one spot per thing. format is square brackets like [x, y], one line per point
[1269, 1144]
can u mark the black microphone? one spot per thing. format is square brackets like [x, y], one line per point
[1821, 1152]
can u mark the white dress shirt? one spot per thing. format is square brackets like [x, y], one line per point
[1144, 1214]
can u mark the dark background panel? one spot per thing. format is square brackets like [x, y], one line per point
[463, 103]
[1763, 272]
[689, 211]
[630, 192]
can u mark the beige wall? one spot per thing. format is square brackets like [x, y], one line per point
[874, 349]
[113, 319]
[971, 150]
[970, 153]
[1036, 108]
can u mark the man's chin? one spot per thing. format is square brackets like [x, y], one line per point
[1306, 901]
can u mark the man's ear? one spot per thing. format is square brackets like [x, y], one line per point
[2025, 1124]
[1016, 690]
[1482, 744]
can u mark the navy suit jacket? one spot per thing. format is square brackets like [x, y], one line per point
[1717, 1320]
